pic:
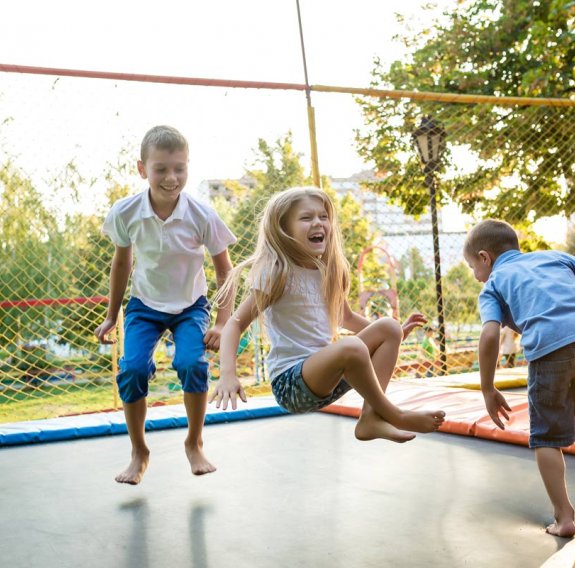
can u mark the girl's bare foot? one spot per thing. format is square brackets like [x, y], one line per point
[371, 427]
[566, 530]
[198, 462]
[133, 474]
[420, 421]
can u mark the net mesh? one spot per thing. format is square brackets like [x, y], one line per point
[67, 152]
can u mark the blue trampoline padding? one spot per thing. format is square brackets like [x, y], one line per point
[108, 423]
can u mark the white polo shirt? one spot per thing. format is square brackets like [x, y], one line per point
[169, 255]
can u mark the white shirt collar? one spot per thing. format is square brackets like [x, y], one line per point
[177, 213]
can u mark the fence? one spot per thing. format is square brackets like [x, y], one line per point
[68, 145]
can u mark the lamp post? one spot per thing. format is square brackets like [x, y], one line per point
[429, 139]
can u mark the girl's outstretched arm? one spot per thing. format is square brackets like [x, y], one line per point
[414, 320]
[352, 321]
[228, 388]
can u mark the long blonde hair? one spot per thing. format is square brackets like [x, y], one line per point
[277, 253]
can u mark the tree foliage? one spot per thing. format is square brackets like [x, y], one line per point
[524, 155]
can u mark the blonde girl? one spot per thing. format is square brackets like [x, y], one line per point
[299, 280]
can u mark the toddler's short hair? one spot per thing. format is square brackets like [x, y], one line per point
[164, 138]
[492, 236]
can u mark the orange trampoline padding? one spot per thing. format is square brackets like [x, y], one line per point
[465, 412]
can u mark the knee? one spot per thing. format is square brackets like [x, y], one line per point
[132, 380]
[194, 376]
[353, 350]
[389, 329]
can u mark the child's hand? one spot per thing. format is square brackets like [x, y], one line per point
[414, 320]
[212, 337]
[103, 330]
[227, 390]
[496, 404]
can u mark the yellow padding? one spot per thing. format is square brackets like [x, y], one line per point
[504, 379]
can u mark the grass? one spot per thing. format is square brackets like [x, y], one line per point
[49, 400]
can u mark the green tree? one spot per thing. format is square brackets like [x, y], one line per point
[280, 168]
[412, 266]
[460, 295]
[87, 247]
[525, 155]
[27, 255]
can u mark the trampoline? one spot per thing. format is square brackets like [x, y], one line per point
[289, 491]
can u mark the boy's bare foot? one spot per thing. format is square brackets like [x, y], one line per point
[133, 474]
[198, 462]
[566, 530]
[371, 427]
[420, 420]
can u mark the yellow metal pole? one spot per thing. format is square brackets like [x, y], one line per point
[117, 351]
[313, 146]
[444, 97]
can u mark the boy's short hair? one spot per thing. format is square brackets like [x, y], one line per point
[491, 236]
[164, 138]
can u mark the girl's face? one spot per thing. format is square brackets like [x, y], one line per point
[308, 223]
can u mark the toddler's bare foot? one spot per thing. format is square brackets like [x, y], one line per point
[198, 462]
[566, 530]
[370, 427]
[420, 420]
[133, 474]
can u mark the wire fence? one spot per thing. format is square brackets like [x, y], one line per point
[68, 149]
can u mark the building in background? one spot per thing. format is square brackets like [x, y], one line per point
[395, 231]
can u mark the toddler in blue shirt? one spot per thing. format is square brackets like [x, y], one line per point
[534, 294]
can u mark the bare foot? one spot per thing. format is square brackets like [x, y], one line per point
[420, 421]
[566, 530]
[135, 471]
[370, 427]
[198, 462]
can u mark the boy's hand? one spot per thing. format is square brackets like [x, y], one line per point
[212, 337]
[227, 390]
[414, 320]
[103, 330]
[496, 404]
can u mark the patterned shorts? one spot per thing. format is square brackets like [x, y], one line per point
[291, 392]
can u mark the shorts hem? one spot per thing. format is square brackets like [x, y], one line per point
[534, 444]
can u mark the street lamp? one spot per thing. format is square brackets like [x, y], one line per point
[429, 139]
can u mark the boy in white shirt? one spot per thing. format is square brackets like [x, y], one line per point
[166, 230]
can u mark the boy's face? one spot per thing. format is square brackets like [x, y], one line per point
[166, 172]
[480, 264]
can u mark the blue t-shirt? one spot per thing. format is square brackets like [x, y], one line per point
[533, 293]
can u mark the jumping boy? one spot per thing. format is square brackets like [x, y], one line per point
[533, 293]
[166, 230]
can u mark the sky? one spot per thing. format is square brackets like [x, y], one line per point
[228, 39]
[257, 40]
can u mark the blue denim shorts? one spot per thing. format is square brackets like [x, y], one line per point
[291, 392]
[551, 393]
[143, 328]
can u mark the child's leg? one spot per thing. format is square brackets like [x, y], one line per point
[195, 404]
[190, 362]
[551, 465]
[135, 413]
[143, 328]
[383, 338]
[350, 357]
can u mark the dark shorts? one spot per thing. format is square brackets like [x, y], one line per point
[551, 392]
[291, 392]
